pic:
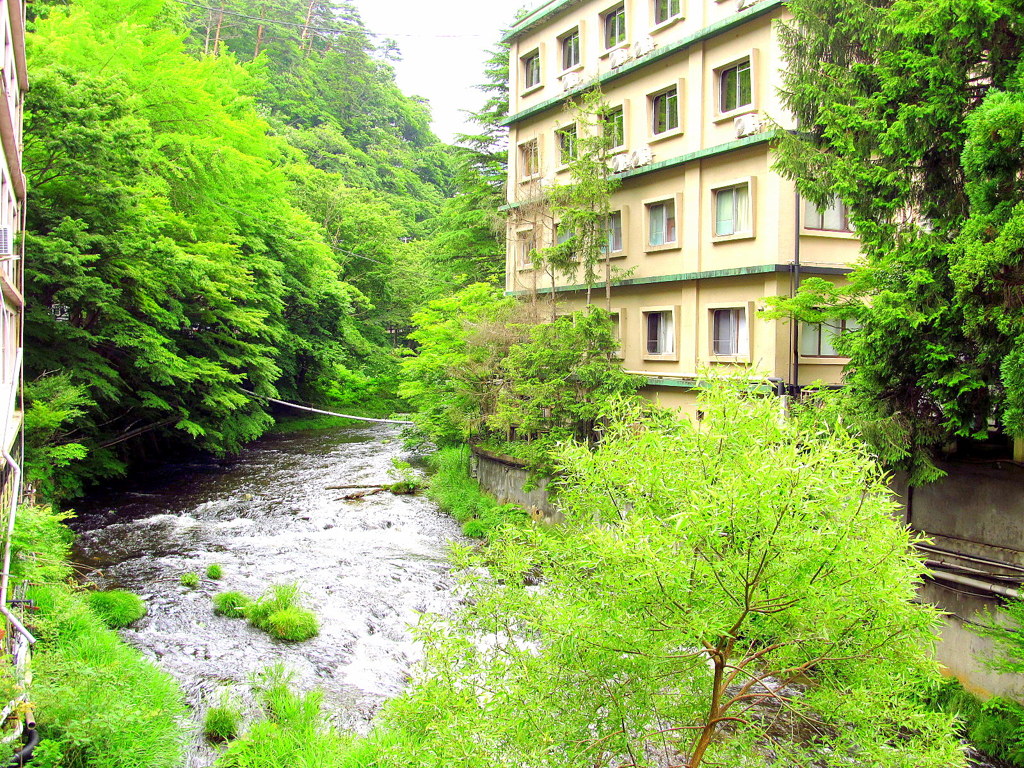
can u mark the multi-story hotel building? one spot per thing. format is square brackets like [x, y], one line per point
[702, 229]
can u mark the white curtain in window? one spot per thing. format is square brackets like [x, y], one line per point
[742, 337]
[657, 216]
[832, 217]
[667, 333]
[742, 194]
[724, 223]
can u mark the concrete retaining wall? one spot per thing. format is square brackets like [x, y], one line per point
[505, 477]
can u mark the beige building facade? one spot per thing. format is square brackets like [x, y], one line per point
[702, 229]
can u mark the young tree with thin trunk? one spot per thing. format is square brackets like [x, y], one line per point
[734, 591]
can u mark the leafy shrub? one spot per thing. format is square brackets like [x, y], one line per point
[117, 608]
[231, 604]
[214, 571]
[222, 723]
[999, 730]
[278, 612]
[190, 580]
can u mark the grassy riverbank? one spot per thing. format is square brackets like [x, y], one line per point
[98, 702]
[458, 494]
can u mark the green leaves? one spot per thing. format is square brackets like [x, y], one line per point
[704, 570]
[910, 111]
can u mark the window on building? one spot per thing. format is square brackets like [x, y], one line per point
[660, 335]
[732, 210]
[818, 339]
[729, 332]
[834, 217]
[665, 10]
[529, 159]
[566, 144]
[526, 244]
[531, 69]
[615, 26]
[615, 127]
[734, 86]
[614, 236]
[662, 220]
[571, 50]
[665, 110]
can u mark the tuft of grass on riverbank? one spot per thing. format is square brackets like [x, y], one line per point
[117, 608]
[458, 494]
[293, 732]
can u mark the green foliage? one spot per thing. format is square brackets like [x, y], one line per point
[214, 571]
[292, 733]
[468, 244]
[910, 112]
[582, 207]
[52, 403]
[190, 580]
[481, 370]
[41, 545]
[277, 611]
[117, 608]
[459, 495]
[231, 604]
[249, 228]
[561, 382]
[701, 566]
[99, 703]
[222, 722]
[460, 341]
[949, 696]
[999, 730]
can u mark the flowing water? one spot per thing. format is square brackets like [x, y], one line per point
[368, 568]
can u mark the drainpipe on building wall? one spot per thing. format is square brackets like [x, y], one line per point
[794, 287]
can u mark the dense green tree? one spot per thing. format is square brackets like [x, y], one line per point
[910, 113]
[734, 591]
[167, 267]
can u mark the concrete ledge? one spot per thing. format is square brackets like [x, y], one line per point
[506, 478]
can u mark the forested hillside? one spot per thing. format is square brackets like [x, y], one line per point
[219, 201]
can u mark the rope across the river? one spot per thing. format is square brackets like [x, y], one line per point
[325, 413]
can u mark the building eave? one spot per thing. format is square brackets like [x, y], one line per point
[683, 277]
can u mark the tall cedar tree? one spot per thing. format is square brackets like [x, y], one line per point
[910, 112]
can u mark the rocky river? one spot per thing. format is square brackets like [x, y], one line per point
[368, 567]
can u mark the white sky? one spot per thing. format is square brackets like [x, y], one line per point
[443, 45]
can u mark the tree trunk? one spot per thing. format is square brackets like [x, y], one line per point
[216, 39]
[259, 35]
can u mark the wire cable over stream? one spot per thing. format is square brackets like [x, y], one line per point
[325, 413]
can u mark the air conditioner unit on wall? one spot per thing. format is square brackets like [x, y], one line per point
[6, 241]
[747, 125]
[622, 162]
[619, 57]
[644, 46]
[571, 80]
[642, 156]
